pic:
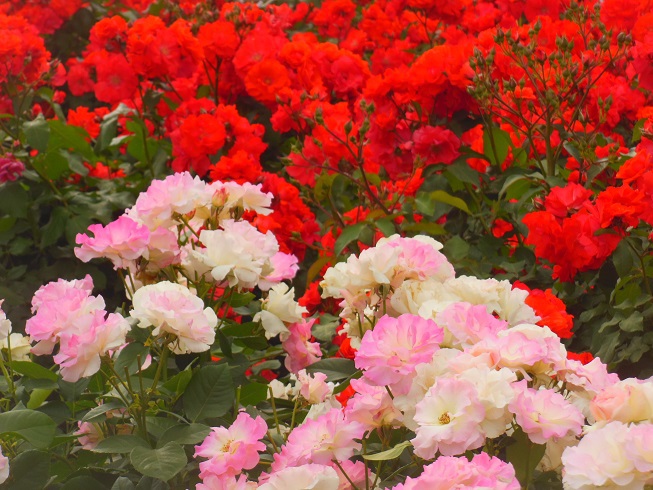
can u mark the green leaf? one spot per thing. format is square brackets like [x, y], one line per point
[29, 470]
[524, 456]
[253, 393]
[149, 483]
[633, 323]
[348, 235]
[179, 382]
[53, 164]
[33, 370]
[82, 482]
[637, 131]
[129, 358]
[37, 133]
[456, 248]
[623, 259]
[123, 483]
[157, 426]
[316, 267]
[210, 393]
[70, 138]
[97, 412]
[496, 143]
[162, 463]
[254, 342]
[37, 397]
[140, 145]
[14, 200]
[463, 172]
[572, 149]
[120, 444]
[108, 128]
[241, 299]
[335, 368]
[456, 202]
[425, 227]
[386, 226]
[393, 453]
[596, 168]
[185, 434]
[54, 229]
[35, 427]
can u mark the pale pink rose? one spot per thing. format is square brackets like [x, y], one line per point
[495, 392]
[389, 353]
[600, 460]
[448, 419]
[235, 198]
[178, 193]
[544, 414]
[5, 324]
[313, 388]
[526, 347]
[213, 482]
[284, 267]
[173, 308]
[494, 473]
[238, 254]
[372, 406]
[89, 435]
[53, 291]
[162, 249]
[306, 477]
[468, 324]
[321, 440]
[301, 352]
[639, 448]
[447, 472]
[4, 467]
[232, 450]
[61, 306]
[630, 400]
[419, 258]
[121, 241]
[592, 377]
[79, 352]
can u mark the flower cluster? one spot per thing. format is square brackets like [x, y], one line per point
[66, 313]
[456, 378]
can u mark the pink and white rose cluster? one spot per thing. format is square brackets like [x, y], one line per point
[66, 313]
[173, 309]
[232, 450]
[410, 275]
[184, 222]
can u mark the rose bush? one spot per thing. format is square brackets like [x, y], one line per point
[267, 182]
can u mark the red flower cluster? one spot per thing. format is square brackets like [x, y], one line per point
[46, 15]
[24, 61]
[578, 231]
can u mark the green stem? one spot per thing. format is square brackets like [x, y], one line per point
[10, 381]
[345, 474]
[163, 361]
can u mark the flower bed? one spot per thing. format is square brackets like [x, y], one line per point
[386, 244]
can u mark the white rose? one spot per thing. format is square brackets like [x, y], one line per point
[279, 309]
[305, 477]
[5, 323]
